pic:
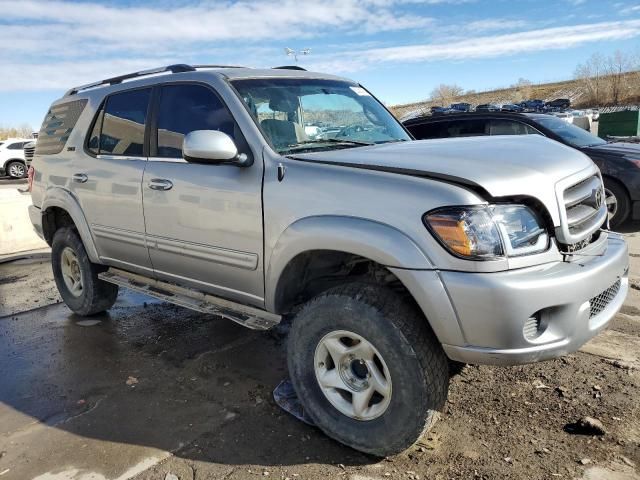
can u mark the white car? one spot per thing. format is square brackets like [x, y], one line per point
[567, 117]
[12, 161]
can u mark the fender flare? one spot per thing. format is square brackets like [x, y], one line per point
[61, 198]
[375, 241]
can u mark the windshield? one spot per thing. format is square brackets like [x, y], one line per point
[571, 134]
[311, 114]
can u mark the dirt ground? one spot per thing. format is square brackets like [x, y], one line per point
[151, 390]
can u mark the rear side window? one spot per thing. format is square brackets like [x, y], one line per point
[123, 122]
[184, 108]
[467, 128]
[119, 126]
[57, 126]
[508, 127]
[16, 146]
[429, 130]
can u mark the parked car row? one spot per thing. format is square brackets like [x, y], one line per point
[535, 105]
[619, 162]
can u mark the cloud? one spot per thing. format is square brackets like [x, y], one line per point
[248, 20]
[485, 46]
[57, 44]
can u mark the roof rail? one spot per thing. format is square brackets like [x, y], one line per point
[178, 68]
[218, 66]
[290, 67]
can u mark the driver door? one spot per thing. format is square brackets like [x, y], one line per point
[203, 221]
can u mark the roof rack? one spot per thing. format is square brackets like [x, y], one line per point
[290, 67]
[177, 68]
[218, 66]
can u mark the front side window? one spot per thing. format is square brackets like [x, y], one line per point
[16, 146]
[299, 115]
[123, 123]
[185, 108]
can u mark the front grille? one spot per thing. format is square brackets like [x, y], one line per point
[29, 151]
[599, 302]
[585, 209]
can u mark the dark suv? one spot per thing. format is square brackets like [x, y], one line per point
[618, 162]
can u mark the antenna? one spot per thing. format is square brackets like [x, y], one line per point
[294, 53]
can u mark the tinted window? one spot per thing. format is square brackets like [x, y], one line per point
[16, 146]
[467, 128]
[57, 126]
[429, 130]
[185, 108]
[508, 127]
[94, 139]
[123, 123]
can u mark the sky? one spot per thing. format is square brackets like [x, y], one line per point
[398, 49]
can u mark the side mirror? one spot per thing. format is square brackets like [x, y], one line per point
[212, 146]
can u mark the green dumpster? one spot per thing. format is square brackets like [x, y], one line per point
[619, 124]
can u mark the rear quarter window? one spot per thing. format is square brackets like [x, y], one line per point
[57, 126]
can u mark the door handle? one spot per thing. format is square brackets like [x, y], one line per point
[80, 178]
[159, 184]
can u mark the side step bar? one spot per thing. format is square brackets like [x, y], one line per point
[246, 316]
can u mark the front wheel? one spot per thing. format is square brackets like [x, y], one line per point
[16, 169]
[367, 368]
[77, 278]
[618, 202]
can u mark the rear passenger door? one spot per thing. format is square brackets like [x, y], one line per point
[108, 181]
[203, 221]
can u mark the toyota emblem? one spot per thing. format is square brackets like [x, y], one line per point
[598, 198]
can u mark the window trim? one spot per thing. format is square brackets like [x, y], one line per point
[153, 121]
[101, 107]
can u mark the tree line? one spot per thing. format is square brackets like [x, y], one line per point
[603, 79]
[22, 131]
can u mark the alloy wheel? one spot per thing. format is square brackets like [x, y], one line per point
[352, 375]
[71, 273]
[16, 170]
[612, 203]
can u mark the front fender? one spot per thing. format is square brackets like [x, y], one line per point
[61, 198]
[375, 241]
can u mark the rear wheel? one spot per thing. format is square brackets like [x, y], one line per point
[618, 202]
[77, 278]
[367, 368]
[16, 169]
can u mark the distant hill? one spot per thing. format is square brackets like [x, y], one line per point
[571, 89]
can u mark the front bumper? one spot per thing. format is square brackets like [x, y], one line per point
[492, 308]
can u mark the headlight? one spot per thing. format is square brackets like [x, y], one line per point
[489, 231]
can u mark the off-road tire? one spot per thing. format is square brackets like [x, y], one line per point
[418, 367]
[97, 295]
[623, 201]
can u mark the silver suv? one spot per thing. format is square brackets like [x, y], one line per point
[260, 195]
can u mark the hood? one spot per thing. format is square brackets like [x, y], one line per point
[617, 148]
[502, 166]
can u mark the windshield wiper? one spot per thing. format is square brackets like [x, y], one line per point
[307, 143]
[334, 140]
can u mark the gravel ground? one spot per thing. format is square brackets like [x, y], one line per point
[151, 389]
